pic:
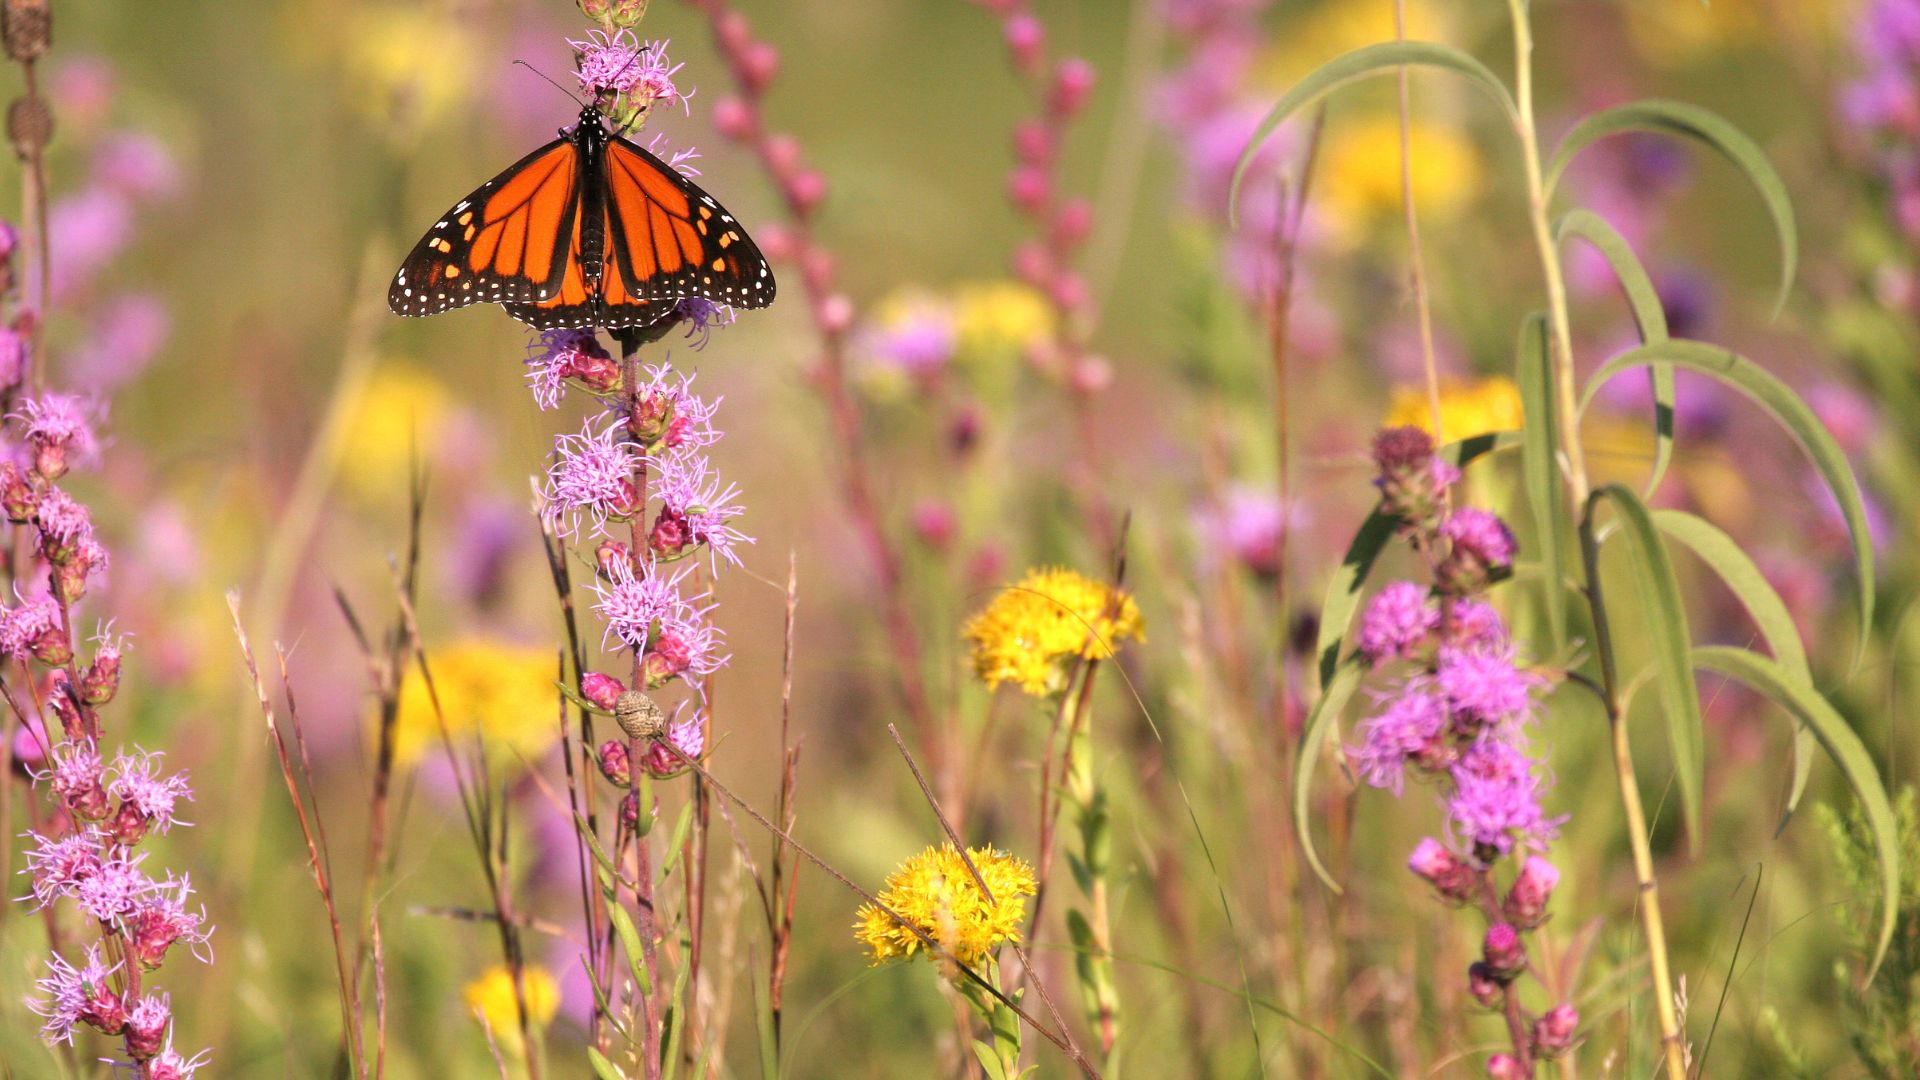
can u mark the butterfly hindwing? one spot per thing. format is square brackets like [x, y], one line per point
[577, 304]
[505, 243]
[672, 240]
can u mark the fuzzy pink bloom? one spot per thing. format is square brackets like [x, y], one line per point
[1399, 619]
[22, 627]
[160, 919]
[567, 355]
[148, 797]
[1413, 726]
[696, 509]
[71, 995]
[590, 480]
[689, 737]
[59, 427]
[1496, 800]
[147, 1025]
[1485, 688]
[620, 65]
[1481, 535]
[647, 613]
[115, 889]
[76, 777]
[1504, 953]
[57, 866]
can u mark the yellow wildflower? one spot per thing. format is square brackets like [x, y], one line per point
[1335, 27]
[400, 415]
[1674, 34]
[1359, 182]
[409, 64]
[491, 998]
[504, 692]
[997, 318]
[934, 892]
[1050, 615]
[1467, 409]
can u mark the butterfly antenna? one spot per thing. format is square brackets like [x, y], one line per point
[570, 94]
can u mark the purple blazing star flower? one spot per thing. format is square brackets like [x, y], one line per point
[64, 519]
[148, 1023]
[62, 425]
[1399, 620]
[564, 355]
[1248, 525]
[1496, 800]
[115, 889]
[687, 736]
[1413, 725]
[681, 161]
[618, 65]
[76, 777]
[1481, 534]
[701, 318]
[673, 417]
[1475, 625]
[918, 338]
[1484, 689]
[695, 509]
[58, 866]
[137, 783]
[69, 994]
[160, 918]
[591, 480]
[26, 624]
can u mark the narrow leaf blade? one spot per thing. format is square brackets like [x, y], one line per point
[1539, 441]
[1313, 735]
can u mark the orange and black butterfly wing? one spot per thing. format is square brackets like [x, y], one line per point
[505, 243]
[577, 303]
[672, 240]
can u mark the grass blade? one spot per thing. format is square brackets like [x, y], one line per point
[1313, 733]
[1539, 440]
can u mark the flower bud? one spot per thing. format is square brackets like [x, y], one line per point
[102, 678]
[602, 690]
[734, 119]
[667, 658]
[610, 555]
[594, 370]
[758, 63]
[835, 313]
[806, 190]
[51, 647]
[933, 523]
[1553, 1033]
[1026, 40]
[1481, 551]
[1526, 903]
[630, 811]
[1451, 876]
[1504, 953]
[129, 825]
[1506, 1067]
[17, 495]
[1030, 188]
[104, 1010]
[1412, 481]
[147, 1027]
[1490, 992]
[1073, 223]
[670, 534]
[1072, 85]
[1032, 142]
[614, 764]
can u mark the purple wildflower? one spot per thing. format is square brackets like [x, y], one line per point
[620, 66]
[115, 888]
[687, 736]
[58, 865]
[148, 1023]
[702, 316]
[1480, 534]
[1250, 526]
[71, 994]
[1496, 800]
[168, 1065]
[680, 161]
[918, 336]
[591, 480]
[76, 777]
[1398, 621]
[1484, 688]
[1475, 625]
[1413, 725]
[141, 789]
[89, 229]
[60, 429]
[136, 164]
[160, 918]
[1526, 902]
[633, 604]
[671, 415]
[126, 334]
[566, 355]
[696, 509]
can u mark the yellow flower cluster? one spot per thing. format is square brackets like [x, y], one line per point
[1359, 183]
[934, 892]
[504, 692]
[490, 997]
[1000, 317]
[1050, 615]
[1467, 409]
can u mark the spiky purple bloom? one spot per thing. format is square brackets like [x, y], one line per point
[695, 509]
[25, 624]
[1398, 621]
[563, 355]
[137, 783]
[680, 161]
[1496, 800]
[687, 736]
[148, 1023]
[1475, 625]
[620, 65]
[169, 1064]
[57, 865]
[1412, 726]
[1249, 526]
[59, 427]
[1485, 688]
[701, 316]
[64, 519]
[76, 776]
[672, 416]
[114, 889]
[160, 918]
[1480, 534]
[591, 480]
[69, 994]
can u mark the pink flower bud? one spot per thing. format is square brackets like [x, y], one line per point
[835, 314]
[602, 690]
[1504, 953]
[129, 825]
[104, 1010]
[933, 523]
[1026, 40]
[101, 680]
[1553, 1033]
[1073, 223]
[614, 763]
[1033, 142]
[783, 153]
[1505, 1067]
[1072, 85]
[1030, 188]
[806, 190]
[1032, 264]
[17, 494]
[630, 811]
[670, 534]
[1526, 903]
[778, 243]
[147, 1028]
[1069, 291]
[668, 657]
[611, 554]
[1490, 992]
[734, 119]
[759, 63]
[734, 32]
[1451, 876]
[1091, 375]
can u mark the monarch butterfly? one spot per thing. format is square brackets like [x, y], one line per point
[588, 230]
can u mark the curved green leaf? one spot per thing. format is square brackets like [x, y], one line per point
[1358, 64]
[1648, 315]
[1313, 734]
[1703, 125]
[1764, 606]
[1670, 643]
[1539, 443]
[1343, 592]
[1792, 414]
[1846, 750]
[602, 1068]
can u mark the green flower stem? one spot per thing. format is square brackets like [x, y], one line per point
[1573, 464]
[1090, 926]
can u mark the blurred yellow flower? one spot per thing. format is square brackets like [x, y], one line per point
[1466, 408]
[408, 65]
[1050, 615]
[1359, 182]
[1334, 27]
[934, 891]
[503, 692]
[491, 999]
[397, 420]
[996, 318]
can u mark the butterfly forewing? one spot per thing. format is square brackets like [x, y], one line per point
[575, 304]
[506, 242]
[673, 241]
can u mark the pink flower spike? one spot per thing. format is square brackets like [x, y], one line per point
[115, 889]
[71, 994]
[590, 480]
[1398, 621]
[146, 798]
[59, 427]
[59, 866]
[695, 509]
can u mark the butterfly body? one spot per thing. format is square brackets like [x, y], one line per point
[589, 230]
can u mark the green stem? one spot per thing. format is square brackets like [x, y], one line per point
[1573, 464]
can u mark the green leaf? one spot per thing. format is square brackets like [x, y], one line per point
[600, 855]
[1764, 606]
[1648, 315]
[1358, 64]
[671, 857]
[1325, 712]
[1792, 414]
[1846, 750]
[1670, 643]
[989, 1061]
[1539, 446]
[1693, 122]
[1343, 592]
[630, 943]
[602, 1068]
